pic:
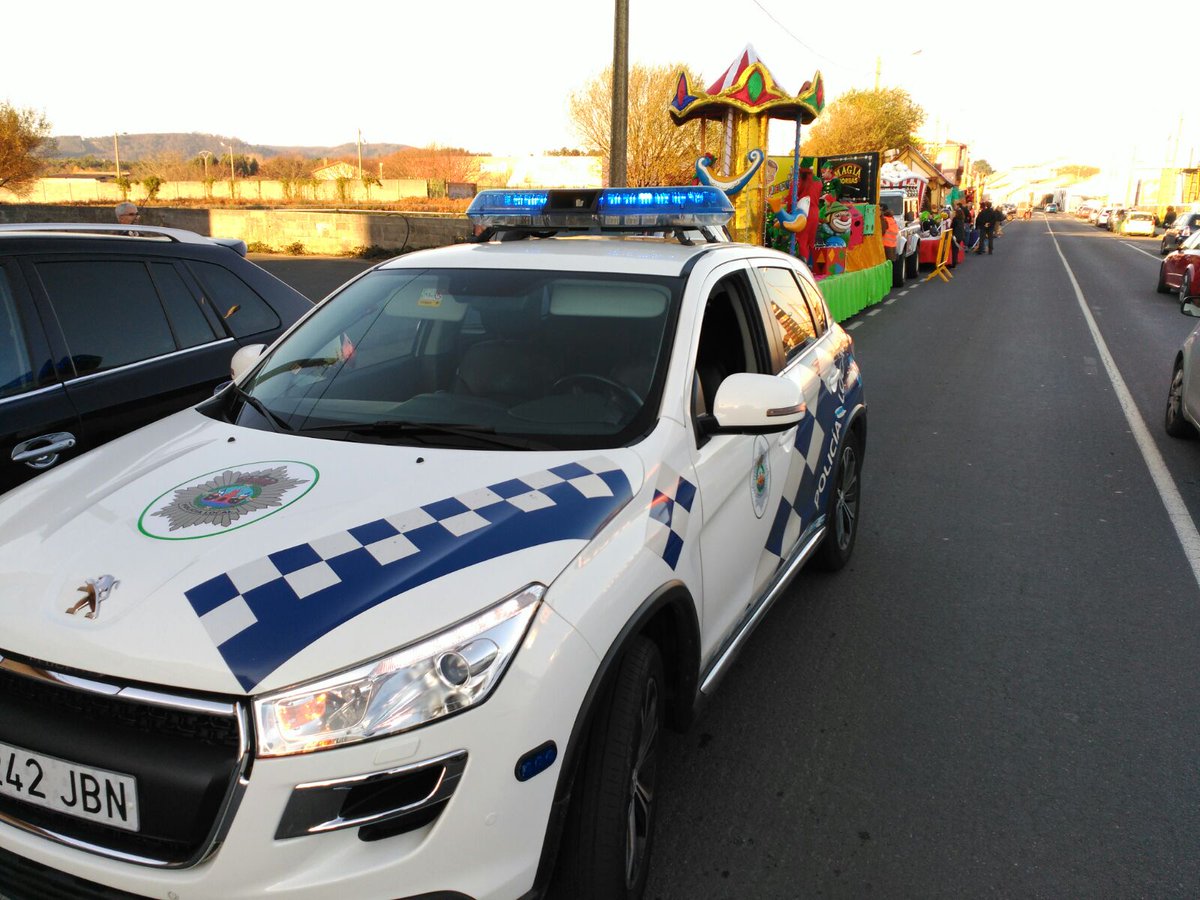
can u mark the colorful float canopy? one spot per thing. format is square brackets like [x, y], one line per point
[747, 85]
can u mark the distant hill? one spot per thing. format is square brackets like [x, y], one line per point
[140, 146]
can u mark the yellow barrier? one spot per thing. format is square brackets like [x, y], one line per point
[941, 269]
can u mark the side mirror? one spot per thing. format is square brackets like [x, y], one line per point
[244, 360]
[758, 404]
[1189, 306]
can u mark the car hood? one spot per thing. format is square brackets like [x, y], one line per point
[199, 555]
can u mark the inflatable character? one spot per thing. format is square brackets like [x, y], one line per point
[803, 221]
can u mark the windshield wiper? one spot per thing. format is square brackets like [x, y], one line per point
[484, 433]
[273, 419]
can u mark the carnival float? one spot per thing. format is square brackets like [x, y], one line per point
[822, 210]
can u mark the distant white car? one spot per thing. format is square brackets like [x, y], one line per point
[1138, 223]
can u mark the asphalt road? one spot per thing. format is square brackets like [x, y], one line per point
[998, 697]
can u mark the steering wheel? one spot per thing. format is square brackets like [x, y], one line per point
[623, 394]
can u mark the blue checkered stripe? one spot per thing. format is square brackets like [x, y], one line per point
[670, 513]
[796, 509]
[262, 613]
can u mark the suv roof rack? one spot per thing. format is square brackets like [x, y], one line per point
[97, 229]
[680, 212]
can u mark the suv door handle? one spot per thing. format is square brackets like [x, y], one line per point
[42, 452]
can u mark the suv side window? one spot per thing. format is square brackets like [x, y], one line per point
[16, 374]
[731, 340]
[245, 313]
[797, 330]
[187, 320]
[109, 312]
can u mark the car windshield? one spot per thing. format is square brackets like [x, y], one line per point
[448, 356]
[1192, 242]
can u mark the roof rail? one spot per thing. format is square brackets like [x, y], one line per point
[146, 232]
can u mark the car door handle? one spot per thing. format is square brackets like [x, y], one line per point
[42, 452]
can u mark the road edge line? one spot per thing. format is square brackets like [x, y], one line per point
[1177, 512]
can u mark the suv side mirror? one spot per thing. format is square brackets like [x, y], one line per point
[244, 360]
[757, 404]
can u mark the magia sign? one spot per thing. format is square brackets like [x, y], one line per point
[858, 174]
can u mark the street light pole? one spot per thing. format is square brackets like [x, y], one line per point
[232, 176]
[117, 155]
[618, 142]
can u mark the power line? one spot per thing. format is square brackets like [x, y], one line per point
[788, 32]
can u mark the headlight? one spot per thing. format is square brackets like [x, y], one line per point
[443, 674]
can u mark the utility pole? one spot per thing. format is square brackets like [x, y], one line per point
[618, 143]
[360, 154]
[117, 155]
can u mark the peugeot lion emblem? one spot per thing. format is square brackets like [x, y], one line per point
[96, 591]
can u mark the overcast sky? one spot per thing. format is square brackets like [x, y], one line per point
[1020, 81]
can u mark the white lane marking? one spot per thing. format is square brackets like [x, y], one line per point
[1177, 511]
[874, 312]
[902, 293]
[1140, 250]
[890, 302]
[852, 327]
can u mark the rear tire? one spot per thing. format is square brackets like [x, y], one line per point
[1174, 422]
[610, 825]
[843, 507]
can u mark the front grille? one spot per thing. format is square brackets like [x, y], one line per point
[188, 761]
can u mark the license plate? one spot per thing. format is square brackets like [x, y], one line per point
[69, 788]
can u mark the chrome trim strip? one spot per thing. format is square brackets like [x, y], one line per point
[108, 689]
[452, 764]
[804, 550]
[141, 362]
[801, 408]
[190, 704]
[42, 390]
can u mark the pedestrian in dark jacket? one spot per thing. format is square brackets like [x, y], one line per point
[987, 221]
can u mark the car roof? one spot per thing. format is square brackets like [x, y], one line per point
[635, 255]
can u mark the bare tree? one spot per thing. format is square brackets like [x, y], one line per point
[166, 166]
[434, 162]
[659, 151]
[23, 134]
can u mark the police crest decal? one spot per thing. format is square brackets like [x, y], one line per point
[227, 499]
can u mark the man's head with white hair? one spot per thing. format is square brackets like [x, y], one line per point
[127, 213]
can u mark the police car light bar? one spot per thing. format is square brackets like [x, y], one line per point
[611, 208]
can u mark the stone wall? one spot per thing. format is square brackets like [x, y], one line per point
[317, 231]
[92, 190]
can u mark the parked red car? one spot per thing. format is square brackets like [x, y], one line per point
[1181, 267]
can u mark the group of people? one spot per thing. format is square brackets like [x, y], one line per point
[970, 230]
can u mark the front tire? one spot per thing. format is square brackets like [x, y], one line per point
[1162, 279]
[610, 826]
[843, 507]
[1174, 422]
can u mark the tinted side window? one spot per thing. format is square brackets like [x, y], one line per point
[244, 312]
[109, 312]
[787, 303]
[815, 304]
[16, 374]
[191, 328]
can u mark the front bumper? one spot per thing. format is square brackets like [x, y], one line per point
[484, 843]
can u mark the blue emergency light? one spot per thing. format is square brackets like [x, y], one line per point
[608, 208]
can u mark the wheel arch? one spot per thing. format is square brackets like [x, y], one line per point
[668, 617]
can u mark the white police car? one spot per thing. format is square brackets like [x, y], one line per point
[402, 612]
